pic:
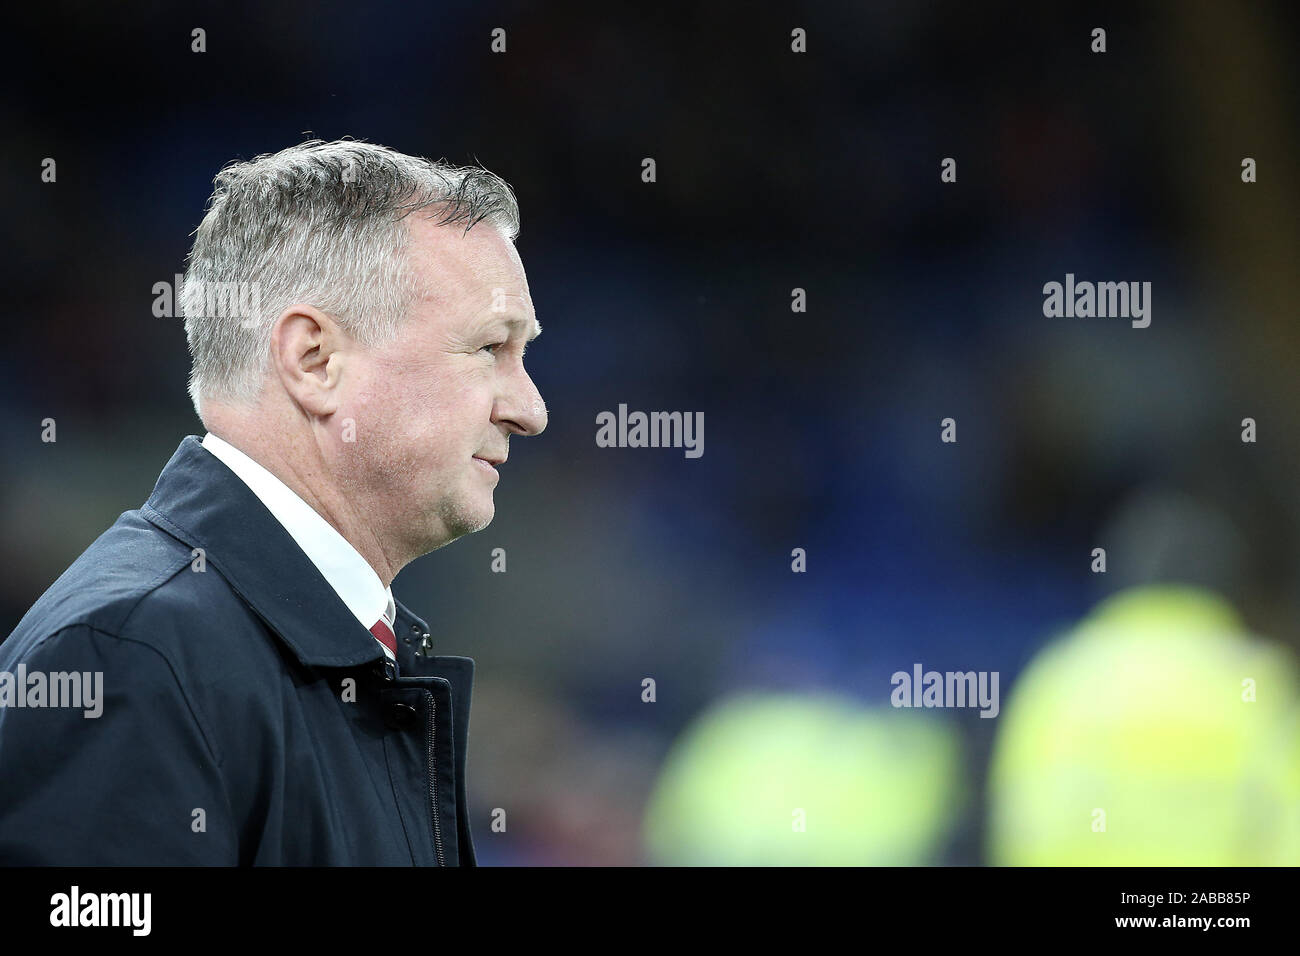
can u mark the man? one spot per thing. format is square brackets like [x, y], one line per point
[357, 321]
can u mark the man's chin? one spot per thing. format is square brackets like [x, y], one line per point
[470, 520]
[452, 530]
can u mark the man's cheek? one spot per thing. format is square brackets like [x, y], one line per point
[438, 459]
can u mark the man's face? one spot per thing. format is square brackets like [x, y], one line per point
[437, 405]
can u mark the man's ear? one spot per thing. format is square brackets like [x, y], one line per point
[307, 357]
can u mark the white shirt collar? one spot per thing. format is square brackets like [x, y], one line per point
[347, 572]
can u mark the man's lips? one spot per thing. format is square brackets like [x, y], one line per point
[488, 464]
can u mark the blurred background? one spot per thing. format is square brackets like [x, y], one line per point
[1161, 692]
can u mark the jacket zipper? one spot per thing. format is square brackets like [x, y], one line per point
[433, 779]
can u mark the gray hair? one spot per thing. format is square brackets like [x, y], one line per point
[319, 224]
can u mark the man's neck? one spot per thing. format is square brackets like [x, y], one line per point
[304, 471]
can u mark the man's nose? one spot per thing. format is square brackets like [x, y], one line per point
[526, 410]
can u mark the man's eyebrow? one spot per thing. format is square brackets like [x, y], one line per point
[516, 322]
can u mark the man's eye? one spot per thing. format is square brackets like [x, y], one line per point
[491, 348]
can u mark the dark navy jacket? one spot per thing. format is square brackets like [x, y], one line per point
[247, 716]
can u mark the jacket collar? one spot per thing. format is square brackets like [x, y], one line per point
[200, 501]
